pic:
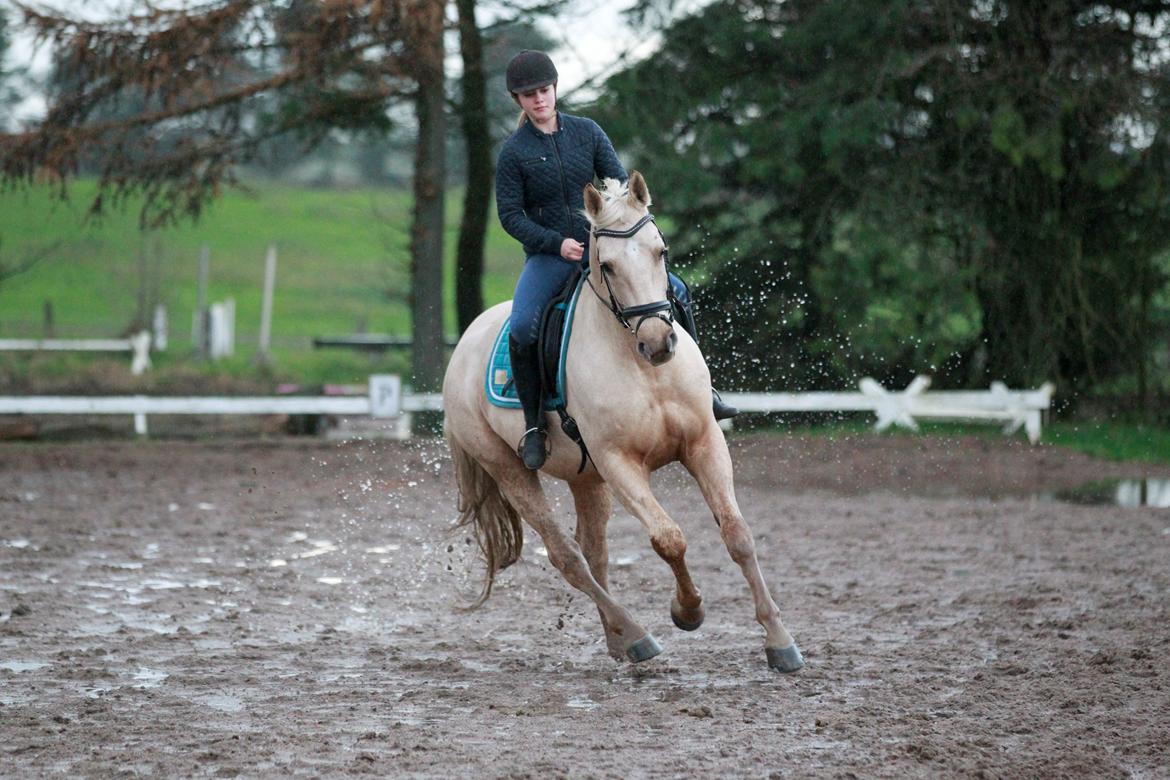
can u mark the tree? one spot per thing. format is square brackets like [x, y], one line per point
[425, 48]
[473, 112]
[485, 53]
[217, 81]
[1009, 159]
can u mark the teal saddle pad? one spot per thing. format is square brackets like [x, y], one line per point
[501, 390]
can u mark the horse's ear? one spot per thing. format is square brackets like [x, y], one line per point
[593, 201]
[638, 189]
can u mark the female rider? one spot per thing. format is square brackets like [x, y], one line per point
[540, 175]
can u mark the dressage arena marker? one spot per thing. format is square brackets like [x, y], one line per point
[385, 399]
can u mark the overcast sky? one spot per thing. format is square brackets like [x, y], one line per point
[592, 33]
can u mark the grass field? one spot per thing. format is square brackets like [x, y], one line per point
[343, 265]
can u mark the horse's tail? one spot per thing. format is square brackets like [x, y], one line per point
[497, 523]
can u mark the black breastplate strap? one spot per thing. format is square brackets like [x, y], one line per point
[662, 310]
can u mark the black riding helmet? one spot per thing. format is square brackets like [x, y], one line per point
[530, 70]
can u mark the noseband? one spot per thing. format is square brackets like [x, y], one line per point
[661, 310]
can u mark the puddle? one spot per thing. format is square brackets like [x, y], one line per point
[221, 702]
[1117, 492]
[98, 690]
[149, 678]
[23, 666]
[582, 703]
[320, 547]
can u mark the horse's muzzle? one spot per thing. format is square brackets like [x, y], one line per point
[659, 353]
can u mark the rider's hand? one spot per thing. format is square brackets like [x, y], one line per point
[572, 250]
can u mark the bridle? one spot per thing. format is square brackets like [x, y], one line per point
[661, 310]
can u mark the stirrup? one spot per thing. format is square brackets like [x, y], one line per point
[533, 457]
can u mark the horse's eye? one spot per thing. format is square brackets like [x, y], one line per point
[605, 268]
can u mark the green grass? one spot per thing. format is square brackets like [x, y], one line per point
[1112, 441]
[343, 264]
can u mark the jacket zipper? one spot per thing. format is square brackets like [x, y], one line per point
[564, 185]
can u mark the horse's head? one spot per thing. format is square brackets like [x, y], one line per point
[627, 255]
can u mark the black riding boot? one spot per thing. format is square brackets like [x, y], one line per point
[526, 376]
[686, 318]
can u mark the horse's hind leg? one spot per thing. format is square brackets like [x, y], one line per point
[522, 489]
[710, 463]
[594, 505]
[631, 484]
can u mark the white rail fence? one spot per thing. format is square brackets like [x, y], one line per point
[137, 345]
[1013, 408]
[385, 399]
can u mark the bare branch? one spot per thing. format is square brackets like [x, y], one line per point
[200, 105]
[28, 261]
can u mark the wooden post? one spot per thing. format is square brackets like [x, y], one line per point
[199, 334]
[49, 328]
[266, 304]
[159, 342]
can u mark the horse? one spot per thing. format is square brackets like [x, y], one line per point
[640, 391]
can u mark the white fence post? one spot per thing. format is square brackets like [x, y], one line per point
[266, 303]
[140, 346]
[894, 408]
[160, 328]
[222, 335]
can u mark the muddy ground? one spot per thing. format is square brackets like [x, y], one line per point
[288, 608]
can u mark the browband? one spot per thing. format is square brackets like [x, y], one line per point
[628, 231]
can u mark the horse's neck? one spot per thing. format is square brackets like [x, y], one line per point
[601, 333]
[606, 352]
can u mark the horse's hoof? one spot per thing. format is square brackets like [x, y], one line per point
[785, 659]
[644, 649]
[688, 622]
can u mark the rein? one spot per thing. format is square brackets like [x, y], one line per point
[661, 310]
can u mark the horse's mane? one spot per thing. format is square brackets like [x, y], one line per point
[615, 203]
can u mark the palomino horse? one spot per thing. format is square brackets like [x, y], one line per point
[641, 393]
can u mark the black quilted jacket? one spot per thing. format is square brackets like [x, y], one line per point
[540, 178]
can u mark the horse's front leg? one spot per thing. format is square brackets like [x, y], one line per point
[594, 505]
[522, 489]
[709, 462]
[630, 481]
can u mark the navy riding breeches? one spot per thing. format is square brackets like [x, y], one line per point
[542, 278]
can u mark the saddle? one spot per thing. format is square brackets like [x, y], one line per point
[556, 327]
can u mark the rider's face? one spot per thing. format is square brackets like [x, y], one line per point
[539, 104]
